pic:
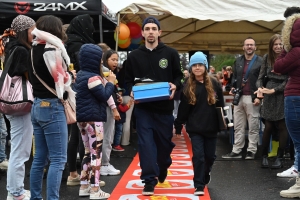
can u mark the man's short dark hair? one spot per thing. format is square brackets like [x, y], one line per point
[248, 38]
[290, 11]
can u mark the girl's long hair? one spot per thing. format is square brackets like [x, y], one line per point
[271, 54]
[190, 89]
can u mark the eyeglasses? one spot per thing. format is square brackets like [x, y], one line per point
[249, 45]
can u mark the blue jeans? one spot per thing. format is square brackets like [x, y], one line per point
[3, 134]
[204, 149]
[292, 119]
[154, 143]
[118, 133]
[51, 136]
[21, 141]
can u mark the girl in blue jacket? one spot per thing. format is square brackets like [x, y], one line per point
[93, 91]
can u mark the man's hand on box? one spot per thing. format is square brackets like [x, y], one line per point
[132, 96]
[173, 89]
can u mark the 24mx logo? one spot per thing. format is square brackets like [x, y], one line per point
[59, 6]
[22, 7]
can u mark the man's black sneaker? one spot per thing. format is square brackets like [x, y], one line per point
[250, 155]
[198, 192]
[148, 190]
[207, 179]
[232, 155]
[162, 175]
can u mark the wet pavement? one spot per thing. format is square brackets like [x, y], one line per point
[231, 179]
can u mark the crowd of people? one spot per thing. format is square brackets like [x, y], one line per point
[63, 63]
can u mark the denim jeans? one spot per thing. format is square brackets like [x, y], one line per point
[204, 149]
[21, 141]
[3, 134]
[51, 137]
[118, 133]
[292, 119]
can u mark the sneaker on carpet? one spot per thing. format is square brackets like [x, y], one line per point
[108, 170]
[148, 190]
[289, 173]
[232, 155]
[73, 181]
[207, 179]
[250, 156]
[99, 194]
[26, 196]
[198, 192]
[4, 164]
[117, 148]
[85, 192]
[162, 175]
[101, 183]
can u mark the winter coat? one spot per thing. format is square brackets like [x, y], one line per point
[289, 60]
[92, 94]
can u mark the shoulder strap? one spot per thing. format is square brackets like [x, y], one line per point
[250, 66]
[45, 84]
[6, 68]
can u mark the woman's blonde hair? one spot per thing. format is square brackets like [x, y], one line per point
[190, 89]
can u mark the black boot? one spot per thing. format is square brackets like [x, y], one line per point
[278, 161]
[265, 162]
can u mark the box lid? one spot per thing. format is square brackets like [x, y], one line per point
[148, 86]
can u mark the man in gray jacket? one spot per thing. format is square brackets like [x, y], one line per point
[246, 104]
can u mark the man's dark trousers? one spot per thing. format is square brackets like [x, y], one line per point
[154, 142]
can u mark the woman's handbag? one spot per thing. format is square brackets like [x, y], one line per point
[265, 78]
[69, 111]
[16, 96]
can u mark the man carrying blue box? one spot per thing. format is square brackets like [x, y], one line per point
[154, 120]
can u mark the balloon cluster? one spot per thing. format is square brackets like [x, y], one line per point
[129, 36]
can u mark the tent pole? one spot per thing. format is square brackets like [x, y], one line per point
[117, 29]
[100, 23]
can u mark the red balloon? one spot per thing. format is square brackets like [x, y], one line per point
[135, 29]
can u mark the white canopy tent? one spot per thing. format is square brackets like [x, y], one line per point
[219, 26]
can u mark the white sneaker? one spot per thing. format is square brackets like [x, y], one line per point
[292, 192]
[99, 194]
[4, 164]
[27, 196]
[108, 170]
[85, 192]
[289, 173]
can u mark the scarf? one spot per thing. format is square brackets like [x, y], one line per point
[57, 62]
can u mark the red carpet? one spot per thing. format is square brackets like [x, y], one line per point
[178, 185]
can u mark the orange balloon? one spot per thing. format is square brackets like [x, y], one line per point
[125, 45]
[124, 32]
[120, 41]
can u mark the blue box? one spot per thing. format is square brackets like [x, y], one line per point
[151, 92]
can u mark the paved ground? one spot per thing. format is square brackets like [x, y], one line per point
[231, 180]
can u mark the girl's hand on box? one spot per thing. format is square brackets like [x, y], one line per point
[173, 89]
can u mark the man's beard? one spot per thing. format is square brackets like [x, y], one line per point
[251, 53]
[151, 41]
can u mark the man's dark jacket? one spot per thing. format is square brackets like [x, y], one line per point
[238, 69]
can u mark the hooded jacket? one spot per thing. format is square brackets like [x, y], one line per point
[162, 64]
[92, 92]
[80, 31]
[200, 118]
[289, 60]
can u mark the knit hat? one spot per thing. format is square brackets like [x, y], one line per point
[197, 58]
[121, 90]
[151, 20]
[21, 23]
